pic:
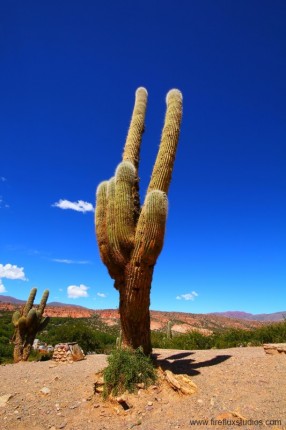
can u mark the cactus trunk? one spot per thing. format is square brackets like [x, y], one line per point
[131, 238]
[18, 347]
[134, 308]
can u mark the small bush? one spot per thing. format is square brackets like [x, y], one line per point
[125, 369]
[38, 356]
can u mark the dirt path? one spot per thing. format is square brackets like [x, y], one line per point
[232, 383]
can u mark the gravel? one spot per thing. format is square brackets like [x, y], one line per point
[233, 384]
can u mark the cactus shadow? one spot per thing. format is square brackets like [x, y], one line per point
[180, 355]
[180, 364]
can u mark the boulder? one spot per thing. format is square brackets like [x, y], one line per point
[181, 383]
[275, 348]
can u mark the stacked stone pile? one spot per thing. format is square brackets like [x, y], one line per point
[68, 353]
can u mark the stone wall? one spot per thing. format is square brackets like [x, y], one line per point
[68, 353]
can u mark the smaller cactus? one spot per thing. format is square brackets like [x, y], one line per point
[28, 322]
[119, 340]
[169, 330]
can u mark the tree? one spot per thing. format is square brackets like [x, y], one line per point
[130, 237]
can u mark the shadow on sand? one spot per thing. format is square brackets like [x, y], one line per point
[179, 363]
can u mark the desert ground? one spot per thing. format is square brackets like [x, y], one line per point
[232, 385]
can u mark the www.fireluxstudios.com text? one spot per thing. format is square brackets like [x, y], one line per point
[235, 422]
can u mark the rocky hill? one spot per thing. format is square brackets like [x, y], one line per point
[274, 317]
[181, 322]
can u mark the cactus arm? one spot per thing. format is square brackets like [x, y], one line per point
[22, 324]
[30, 302]
[100, 222]
[162, 171]
[101, 216]
[133, 142]
[125, 176]
[149, 240]
[150, 230]
[43, 302]
[31, 319]
[43, 324]
[155, 208]
[136, 128]
[113, 241]
[15, 318]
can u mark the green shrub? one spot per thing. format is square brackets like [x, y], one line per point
[6, 333]
[6, 353]
[229, 338]
[78, 330]
[125, 369]
[38, 356]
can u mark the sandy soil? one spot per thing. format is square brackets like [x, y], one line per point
[232, 383]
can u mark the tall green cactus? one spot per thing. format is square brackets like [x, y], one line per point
[130, 238]
[28, 322]
[169, 330]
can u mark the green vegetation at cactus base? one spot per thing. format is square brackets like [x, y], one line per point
[127, 368]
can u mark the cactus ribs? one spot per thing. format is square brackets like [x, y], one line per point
[130, 238]
[28, 322]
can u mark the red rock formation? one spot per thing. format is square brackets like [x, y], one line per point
[183, 322]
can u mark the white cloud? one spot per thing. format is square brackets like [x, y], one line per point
[2, 288]
[3, 204]
[75, 291]
[79, 206]
[66, 261]
[10, 271]
[2, 179]
[188, 296]
[101, 295]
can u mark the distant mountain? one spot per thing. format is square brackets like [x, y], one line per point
[12, 300]
[276, 316]
[59, 304]
[53, 309]
[234, 314]
[182, 322]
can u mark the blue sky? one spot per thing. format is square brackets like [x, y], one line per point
[69, 71]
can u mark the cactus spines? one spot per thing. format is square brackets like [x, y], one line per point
[30, 301]
[28, 322]
[130, 237]
[136, 128]
[43, 303]
[162, 171]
